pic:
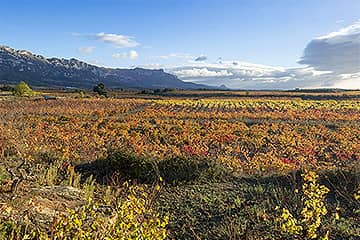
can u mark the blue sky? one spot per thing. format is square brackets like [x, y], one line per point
[171, 34]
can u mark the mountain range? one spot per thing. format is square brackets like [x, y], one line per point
[38, 71]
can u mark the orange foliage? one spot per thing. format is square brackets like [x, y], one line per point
[246, 135]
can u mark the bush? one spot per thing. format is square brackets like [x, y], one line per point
[131, 166]
[23, 89]
[146, 170]
[312, 213]
[100, 89]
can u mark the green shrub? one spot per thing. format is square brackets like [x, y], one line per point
[23, 89]
[130, 166]
[100, 89]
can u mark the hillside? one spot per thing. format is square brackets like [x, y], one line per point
[38, 71]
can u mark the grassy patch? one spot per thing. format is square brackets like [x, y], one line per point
[247, 209]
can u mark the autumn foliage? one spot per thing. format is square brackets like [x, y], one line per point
[254, 136]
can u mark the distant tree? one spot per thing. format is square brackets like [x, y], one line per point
[100, 89]
[169, 90]
[23, 89]
[157, 90]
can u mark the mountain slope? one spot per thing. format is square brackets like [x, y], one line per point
[38, 71]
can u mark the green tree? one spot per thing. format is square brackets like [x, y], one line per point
[23, 89]
[100, 89]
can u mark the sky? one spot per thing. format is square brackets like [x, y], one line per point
[253, 44]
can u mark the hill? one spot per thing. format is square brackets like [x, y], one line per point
[38, 71]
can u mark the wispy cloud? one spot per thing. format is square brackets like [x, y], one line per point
[185, 56]
[339, 21]
[202, 72]
[119, 41]
[116, 40]
[128, 55]
[86, 50]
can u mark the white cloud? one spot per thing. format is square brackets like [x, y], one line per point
[346, 31]
[338, 51]
[119, 41]
[174, 55]
[333, 61]
[252, 76]
[128, 55]
[201, 72]
[86, 50]
[116, 40]
[133, 54]
[349, 81]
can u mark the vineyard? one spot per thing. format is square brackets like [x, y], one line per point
[202, 168]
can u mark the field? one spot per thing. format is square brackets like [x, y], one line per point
[181, 165]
